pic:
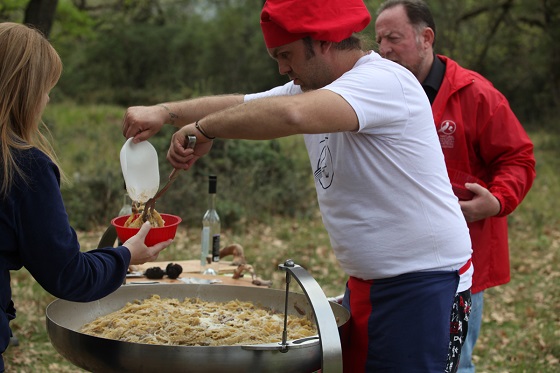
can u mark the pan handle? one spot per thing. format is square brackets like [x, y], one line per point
[294, 344]
[324, 316]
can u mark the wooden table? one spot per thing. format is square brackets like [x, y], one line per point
[192, 272]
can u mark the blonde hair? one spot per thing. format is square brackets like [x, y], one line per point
[29, 68]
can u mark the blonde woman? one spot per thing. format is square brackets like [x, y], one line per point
[34, 228]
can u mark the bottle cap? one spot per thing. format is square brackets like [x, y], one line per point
[212, 183]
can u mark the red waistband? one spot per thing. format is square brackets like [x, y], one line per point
[465, 267]
[462, 270]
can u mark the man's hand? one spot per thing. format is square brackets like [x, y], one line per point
[142, 122]
[182, 157]
[482, 206]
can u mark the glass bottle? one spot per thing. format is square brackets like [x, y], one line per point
[126, 209]
[210, 241]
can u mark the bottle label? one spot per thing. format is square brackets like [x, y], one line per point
[216, 248]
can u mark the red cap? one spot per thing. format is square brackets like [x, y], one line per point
[285, 21]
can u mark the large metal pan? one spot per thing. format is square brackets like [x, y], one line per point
[95, 354]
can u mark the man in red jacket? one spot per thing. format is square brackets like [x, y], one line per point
[488, 154]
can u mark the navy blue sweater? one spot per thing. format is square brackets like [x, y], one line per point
[35, 234]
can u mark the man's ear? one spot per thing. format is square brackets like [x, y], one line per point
[428, 37]
[325, 46]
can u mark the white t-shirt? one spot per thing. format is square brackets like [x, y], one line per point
[383, 191]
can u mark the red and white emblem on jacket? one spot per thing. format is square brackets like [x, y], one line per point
[445, 131]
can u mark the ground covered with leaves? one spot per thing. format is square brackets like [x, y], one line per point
[521, 322]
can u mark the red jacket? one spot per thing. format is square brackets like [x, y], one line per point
[480, 135]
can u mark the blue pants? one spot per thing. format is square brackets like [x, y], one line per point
[399, 324]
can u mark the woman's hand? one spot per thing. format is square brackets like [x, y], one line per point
[139, 252]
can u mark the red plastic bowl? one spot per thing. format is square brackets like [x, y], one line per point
[155, 235]
[458, 180]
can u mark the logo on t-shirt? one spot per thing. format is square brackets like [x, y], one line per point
[445, 131]
[324, 172]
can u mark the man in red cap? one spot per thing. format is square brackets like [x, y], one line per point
[385, 198]
[480, 136]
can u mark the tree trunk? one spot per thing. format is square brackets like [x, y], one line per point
[40, 14]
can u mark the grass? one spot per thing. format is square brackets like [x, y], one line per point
[521, 323]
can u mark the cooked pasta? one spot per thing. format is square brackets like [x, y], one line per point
[135, 220]
[195, 322]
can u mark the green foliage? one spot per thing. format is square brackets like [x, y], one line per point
[148, 54]
[12, 10]
[148, 51]
[71, 24]
[122, 66]
[88, 141]
[543, 212]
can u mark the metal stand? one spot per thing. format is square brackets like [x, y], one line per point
[329, 337]
[324, 317]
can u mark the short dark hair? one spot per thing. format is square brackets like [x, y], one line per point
[417, 11]
[352, 42]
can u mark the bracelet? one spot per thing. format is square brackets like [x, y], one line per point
[197, 126]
